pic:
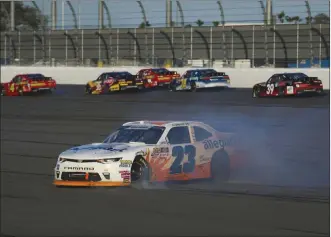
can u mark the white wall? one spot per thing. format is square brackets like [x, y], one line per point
[240, 78]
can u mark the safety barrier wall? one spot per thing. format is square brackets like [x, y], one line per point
[240, 78]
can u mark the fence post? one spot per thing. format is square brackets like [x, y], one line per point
[34, 47]
[172, 42]
[135, 47]
[66, 48]
[117, 42]
[191, 44]
[82, 46]
[153, 49]
[19, 47]
[298, 42]
[232, 45]
[320, 53]
[274, 56]
[111, 45]
[253, 47]
[211, 47]
[49, 48]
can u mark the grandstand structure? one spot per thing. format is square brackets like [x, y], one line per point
[227, 44]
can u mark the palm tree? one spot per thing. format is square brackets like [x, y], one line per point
[199, 22]
[216, 23]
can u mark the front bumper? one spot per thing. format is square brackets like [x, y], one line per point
[89, 183]
[91, 174]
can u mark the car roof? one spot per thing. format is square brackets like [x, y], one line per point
[167, 123]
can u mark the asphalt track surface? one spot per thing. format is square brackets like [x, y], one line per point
[285, 192]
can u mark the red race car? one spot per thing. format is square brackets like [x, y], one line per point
[287, 84]
[155, 77]
[23, 84]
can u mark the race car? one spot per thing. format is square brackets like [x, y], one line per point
[113, 81]
[23, 84]
[287, 84]
[157, 77]
[151, 151]
[195, 79]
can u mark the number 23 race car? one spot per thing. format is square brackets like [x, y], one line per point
[287, 84]
[152, 151]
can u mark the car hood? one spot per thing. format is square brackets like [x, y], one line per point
[101, 150]
[261, 83]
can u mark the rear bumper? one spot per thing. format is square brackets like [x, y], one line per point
[213, 85]
[89, 183]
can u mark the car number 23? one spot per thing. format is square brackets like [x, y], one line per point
[270, 88]
[178, 152]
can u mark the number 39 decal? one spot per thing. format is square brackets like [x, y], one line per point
[270, 88]
[177, 167]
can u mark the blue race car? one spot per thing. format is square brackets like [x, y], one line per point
[195, 79]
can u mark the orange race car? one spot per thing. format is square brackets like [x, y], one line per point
[155, 151]
[157, 77]
[23, 84]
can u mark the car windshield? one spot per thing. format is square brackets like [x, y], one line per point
[296, 76]
[160, 71]
[118, 75]
[126, 134]
[36, 77]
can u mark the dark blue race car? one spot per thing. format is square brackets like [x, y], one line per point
[195, 79]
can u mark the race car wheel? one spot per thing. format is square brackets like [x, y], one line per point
[20, 91]
[139, 172]
[256, 92]
[193, 87]
[220, 167]
[88, 90]
[281, 91]
[172, 87]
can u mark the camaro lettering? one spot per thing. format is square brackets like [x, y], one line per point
[79, 168]
[213, 144]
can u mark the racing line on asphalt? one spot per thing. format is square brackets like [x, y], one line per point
[288, 138]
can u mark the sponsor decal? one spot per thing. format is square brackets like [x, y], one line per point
[125, 174]
[213, 144]
[125, 163]
[126, 180]
[180, 124]
[79, 168]
[160, 152]
[202, 158]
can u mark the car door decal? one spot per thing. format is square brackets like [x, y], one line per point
[178, 152]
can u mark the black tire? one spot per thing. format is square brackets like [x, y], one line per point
[172, 87]
[193, 87]
[220, 167]
[281, 91]
[256, 92]
[20, 91]
[88, 90]
[140, 173]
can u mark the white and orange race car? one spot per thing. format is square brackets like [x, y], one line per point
[152, 151]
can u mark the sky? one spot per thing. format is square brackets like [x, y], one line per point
[127, 14]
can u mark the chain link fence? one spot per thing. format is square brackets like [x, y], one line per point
[281, 45]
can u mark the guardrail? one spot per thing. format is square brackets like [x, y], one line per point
[240, 78]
